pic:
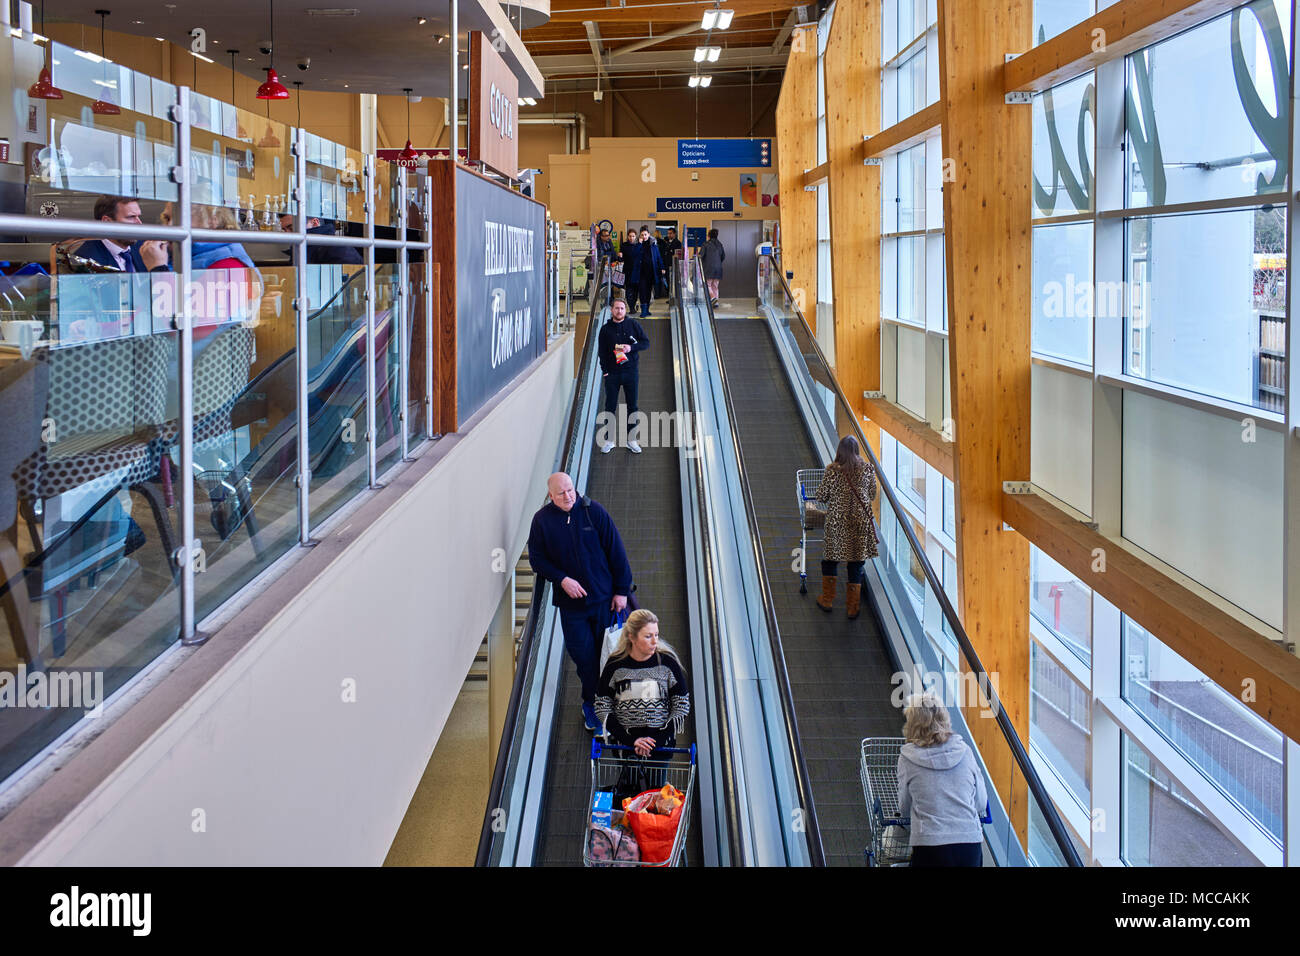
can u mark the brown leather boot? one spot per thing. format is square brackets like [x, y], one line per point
[828, 594]
[853, 600]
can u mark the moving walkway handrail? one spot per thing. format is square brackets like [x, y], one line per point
[803, 784]
[528, 642]
[1026, 768]
[726, 762]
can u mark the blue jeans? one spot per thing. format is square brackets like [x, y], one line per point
[583, 631]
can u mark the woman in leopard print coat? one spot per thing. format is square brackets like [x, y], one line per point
[848, 488]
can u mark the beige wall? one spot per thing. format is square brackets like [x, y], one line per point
[616, 187]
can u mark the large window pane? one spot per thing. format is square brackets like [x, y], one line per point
[1234, 69]
[1061, 601]
[1063, 291]
[1201, 315]
[1236, 751]
[1063, 121]
[1059, 722]
[1056, 16]
[1164, 825]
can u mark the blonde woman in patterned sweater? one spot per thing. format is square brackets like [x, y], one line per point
[643, 697]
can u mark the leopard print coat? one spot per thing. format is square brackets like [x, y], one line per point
[850, 536]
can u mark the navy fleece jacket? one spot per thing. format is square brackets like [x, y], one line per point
[582, 544]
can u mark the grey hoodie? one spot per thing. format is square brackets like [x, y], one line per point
[942, 789]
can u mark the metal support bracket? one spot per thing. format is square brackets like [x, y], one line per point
[873, 161]
[1018, 487]
[1019, 98]
[876, 394]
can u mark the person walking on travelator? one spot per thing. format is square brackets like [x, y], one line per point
[574, 544]
[713, 255]
[650, 271]
[848, 488]
[631, 267]
[617, 345]
[644, 696]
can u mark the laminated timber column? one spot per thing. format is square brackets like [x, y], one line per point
[988, 261]
[796, 151]
[852, 76]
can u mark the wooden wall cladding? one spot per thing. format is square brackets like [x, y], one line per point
[988, 261]
[796, 131]
[443, 176]
[852, 76]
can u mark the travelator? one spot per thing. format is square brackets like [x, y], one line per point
[713, 518]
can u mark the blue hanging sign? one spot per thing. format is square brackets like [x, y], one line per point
[724, 153]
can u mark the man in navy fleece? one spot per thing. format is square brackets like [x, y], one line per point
[573, 544]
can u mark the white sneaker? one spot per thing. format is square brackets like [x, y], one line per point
[634, 447]
[606, 448]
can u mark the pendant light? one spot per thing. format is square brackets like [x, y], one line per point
[104, 106]
[408, 154]
[44, 88]
[272, 89]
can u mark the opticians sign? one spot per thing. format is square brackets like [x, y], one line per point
[724, 153]
[693, 204]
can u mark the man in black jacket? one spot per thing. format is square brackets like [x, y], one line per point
[574, 544]
[147, 255]
[617, 346]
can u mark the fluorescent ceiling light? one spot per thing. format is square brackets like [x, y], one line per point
[200, 56]
[705, 80]
[693, 81]
[710, 53]
[716, 19]
[714, 53]
[530, 101]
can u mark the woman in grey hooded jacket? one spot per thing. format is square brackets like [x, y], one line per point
[941, 787]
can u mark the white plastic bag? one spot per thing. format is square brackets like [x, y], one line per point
[610, 640]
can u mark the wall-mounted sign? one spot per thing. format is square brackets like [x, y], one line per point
[493, 109]
[501, 291]
[724, 153]
[693, 204]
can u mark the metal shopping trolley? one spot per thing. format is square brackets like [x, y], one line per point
[890, 838]
[812, 515]
[612, 763]
[879, 770]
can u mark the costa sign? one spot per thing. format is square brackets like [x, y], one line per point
[501, 113]
[493, 99]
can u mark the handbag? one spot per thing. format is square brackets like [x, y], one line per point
[616, 276]
[611, 638]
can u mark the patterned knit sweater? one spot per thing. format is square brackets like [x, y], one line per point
[649, 698]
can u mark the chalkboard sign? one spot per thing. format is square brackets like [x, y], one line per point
[500, 281]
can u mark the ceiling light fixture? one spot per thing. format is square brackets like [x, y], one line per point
[104, 106]
[44, 88]
[710, 53]
[716, 19]
[694, 80]
[421, 20]
[199, 56]
[408, 153]
[705, 80]
[272, 89]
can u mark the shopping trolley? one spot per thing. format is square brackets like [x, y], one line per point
[890, 839]
[612, 763]
[812, 515]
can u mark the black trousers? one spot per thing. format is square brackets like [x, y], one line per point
[627, 379]
[829, 569]
[948, 854]
[629, 293]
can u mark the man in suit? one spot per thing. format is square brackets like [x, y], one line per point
[148, 255]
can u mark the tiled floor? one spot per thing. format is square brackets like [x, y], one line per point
[643, 495]
[839, 669]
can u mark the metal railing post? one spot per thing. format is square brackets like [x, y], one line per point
[429, 293]
[302, 358]
[404, 299]
[370, 322]
[186, 552]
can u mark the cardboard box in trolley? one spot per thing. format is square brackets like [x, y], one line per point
[602, 809]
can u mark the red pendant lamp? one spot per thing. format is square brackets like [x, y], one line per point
[408, 154]
[44, 88]
[104, 106]
[272, 89]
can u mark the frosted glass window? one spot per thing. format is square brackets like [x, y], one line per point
[1063, 291]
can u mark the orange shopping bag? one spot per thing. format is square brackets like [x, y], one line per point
[654, 832]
